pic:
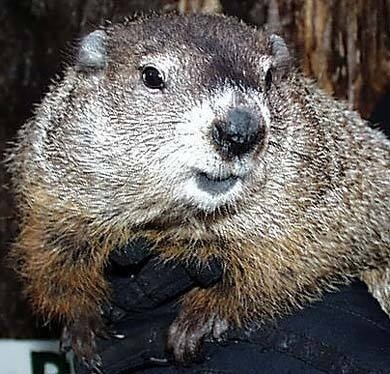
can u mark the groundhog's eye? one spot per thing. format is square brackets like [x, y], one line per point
[268, 80]
[152, 78]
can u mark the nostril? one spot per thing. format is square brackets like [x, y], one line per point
[217, 133]
[237, 135]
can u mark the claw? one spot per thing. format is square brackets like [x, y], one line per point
[186, 334]
[80, 337]
[65, 340]
[94, 365]
[220, 326]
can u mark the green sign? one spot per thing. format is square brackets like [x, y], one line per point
[40, 360]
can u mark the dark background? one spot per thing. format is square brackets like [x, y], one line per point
[344, 45]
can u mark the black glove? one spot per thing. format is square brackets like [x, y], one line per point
[144, 302]
[345, 332]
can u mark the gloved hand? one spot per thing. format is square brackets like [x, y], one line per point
[144, 302]
[345, 332]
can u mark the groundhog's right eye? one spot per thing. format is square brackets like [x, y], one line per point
[153, 78]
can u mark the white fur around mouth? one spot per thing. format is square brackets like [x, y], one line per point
[209, 192]
[215, 185]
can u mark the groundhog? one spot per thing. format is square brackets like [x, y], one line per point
[195, 132]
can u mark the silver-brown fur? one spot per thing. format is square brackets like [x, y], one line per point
[106, 159]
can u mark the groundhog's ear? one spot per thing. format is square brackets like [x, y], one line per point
[92, 53]
[281, 62]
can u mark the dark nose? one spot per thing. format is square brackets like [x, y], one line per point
[238, 135]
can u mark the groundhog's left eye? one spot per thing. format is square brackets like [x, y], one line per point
[153, 78]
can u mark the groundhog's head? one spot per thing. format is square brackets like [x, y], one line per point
[162, 116]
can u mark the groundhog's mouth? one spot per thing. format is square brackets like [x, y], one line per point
[214, 184]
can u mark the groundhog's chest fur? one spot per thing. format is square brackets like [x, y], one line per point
[194, 131]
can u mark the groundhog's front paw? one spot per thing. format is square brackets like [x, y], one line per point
[81, 338]
[187, 332]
